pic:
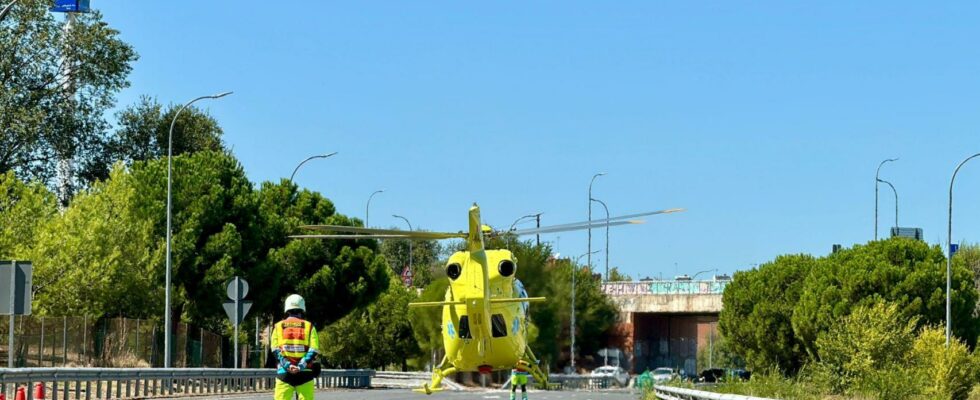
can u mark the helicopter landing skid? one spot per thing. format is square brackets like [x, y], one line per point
[437, 376]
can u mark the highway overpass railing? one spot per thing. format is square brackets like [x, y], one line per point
[124, 383]
[674, 393]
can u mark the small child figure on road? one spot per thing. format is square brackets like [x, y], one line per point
[518, 376]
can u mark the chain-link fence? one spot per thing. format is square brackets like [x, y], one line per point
[106, 342]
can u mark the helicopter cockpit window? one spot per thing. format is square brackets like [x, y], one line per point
[499, 327]
[464, 328]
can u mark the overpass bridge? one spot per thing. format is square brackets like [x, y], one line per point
[665, 323]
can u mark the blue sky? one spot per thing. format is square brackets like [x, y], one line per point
[766, 120]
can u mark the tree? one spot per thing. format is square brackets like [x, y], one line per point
[616, 276]
[377, 336]
[427, 321]
[757, 312]
[774, 315]
[336, 276]
[968, 256]
[425, 258]
[55, 86]
[907, 272]
[144, 128]
[24, 209]
[874, 338]
[92, 259]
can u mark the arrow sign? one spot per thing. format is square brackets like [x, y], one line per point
[236, 309]
[243, 307]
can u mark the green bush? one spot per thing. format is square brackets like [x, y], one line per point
[948, 373]
[862, 351]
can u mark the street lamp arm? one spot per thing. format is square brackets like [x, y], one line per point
[6, 10]
[877, 172]
[308, 159]
[367, 209]
[523, 218]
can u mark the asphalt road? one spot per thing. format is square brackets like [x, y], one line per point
[402, 394]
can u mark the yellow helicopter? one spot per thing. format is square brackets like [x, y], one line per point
[484, 315]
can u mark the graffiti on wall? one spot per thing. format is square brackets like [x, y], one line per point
[663, 287]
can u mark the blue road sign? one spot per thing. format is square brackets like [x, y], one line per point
[953, 247]
[77, 6]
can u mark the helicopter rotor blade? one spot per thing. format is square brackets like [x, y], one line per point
[596, 223]
[407, 237]
[375, 231]
[576, 227]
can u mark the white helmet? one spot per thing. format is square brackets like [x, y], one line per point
[295, 302]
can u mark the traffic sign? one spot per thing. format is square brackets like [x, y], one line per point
[15, 284]
[237, 283]
[243, 307]
[236, 288]
[78, 6]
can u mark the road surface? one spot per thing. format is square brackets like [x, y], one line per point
[402, 394]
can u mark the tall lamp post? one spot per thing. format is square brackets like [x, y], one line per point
[607, 235]
[410, 269]
[590, 216]
[949, 250]
[876, 192]
[574, 272]
[170, 148]
[367, 210]
[896, 199]
[308, 159]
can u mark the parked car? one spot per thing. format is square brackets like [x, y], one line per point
[719, 374]
[620, 376]
[711, 375]
[663, 374]
[741, 374]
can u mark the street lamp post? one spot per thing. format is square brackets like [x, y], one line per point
[607, 235]
[410, 269]
[367, 210]
[574, 272]
[308, 159]
[590, 216]
[896, 199]
[949, 249]
[170, 147]
[876, 192]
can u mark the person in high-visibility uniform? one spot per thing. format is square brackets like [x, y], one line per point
[518, 376]
[296, 345]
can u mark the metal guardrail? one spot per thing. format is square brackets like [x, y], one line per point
[408, 380]
[121, 383]
[567, 381]
[673, 393]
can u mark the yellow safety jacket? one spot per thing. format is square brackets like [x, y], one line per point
[294, 338]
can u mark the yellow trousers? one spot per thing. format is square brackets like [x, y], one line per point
[284, 391]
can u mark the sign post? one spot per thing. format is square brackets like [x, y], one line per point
[237, 289]
[15, 277]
